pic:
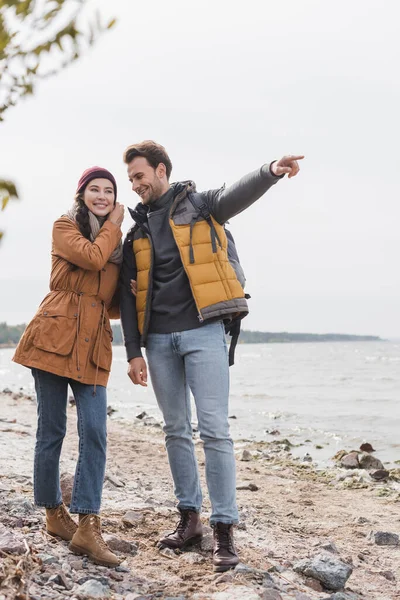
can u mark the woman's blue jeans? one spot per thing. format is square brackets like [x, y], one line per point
[52, 398]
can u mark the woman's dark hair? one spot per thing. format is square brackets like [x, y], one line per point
[82, 215]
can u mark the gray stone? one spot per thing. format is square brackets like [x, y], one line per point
[389, 575]
[10, 543]
[93, 589]
[167, 552]
[119, 545]
[367, 461]
[77, 565]
[103, 580]
[330, 571]
[247, 486]
[48, 559]
[384, 538]
[114, 480]
[122, 569]
[380, 475]
[21, 506]
[246, 455]
[207, 542]
[301, 596]
[350, 461]
[61, 580]
[131, 518]
[192, 558]
[66, 483]
[329, 547]
[242, 569]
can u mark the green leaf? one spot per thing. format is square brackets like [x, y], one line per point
[5, 201]
[8, 188]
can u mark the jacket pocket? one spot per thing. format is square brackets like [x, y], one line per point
[55, 333]
[102, 349]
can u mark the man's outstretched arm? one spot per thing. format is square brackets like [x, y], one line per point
[226, 203]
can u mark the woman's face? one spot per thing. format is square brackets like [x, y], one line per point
[99, 197]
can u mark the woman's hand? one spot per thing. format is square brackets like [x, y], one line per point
[133, 287]
[116, 216]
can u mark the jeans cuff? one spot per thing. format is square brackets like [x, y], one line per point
[84, 511]
[47, 505]
[196, 510]
[224, 521]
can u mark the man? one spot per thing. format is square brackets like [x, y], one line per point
[185, 289]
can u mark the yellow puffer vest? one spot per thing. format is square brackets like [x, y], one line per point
[213, 281]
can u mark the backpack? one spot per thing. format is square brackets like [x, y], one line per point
[232, 327]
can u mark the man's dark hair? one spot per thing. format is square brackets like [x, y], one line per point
[152, 152]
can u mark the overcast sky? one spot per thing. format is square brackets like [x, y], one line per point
[227, 86]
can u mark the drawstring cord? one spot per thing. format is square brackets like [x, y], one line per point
[98, 349]
[78, 324]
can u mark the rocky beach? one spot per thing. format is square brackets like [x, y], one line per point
[305, 532]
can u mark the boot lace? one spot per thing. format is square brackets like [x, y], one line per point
[66, 520]
[182, 524]
[95, 523]
[223, 539]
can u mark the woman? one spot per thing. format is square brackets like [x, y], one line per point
[68, 342]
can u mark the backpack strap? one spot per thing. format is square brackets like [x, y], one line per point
[202, 210]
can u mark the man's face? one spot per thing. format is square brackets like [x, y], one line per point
[146, 181]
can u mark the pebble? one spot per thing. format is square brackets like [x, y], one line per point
[120, 545]
[132, 517]
[192, 558]
[384, 538]
[388, 575]
[247, 486]
[370, 462]
[93, 589]
[330, 571]
[350, 461]
[10, 543]
[246, 456]
[47, 559]
[380, 474]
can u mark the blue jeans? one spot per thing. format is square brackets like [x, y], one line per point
[52, 397]
[196, 360]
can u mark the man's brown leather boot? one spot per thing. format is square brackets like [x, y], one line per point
[189, 531]
[87, 540]
[60, 523]
[224, 553]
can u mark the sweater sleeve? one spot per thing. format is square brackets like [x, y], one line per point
[226, 203]
[128, 303]
[69, 243]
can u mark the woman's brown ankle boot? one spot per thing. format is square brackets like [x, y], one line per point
[60, 523]
[88, 540]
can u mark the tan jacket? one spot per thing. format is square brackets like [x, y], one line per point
[70, 335]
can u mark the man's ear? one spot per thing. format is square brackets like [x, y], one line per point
[161, 170]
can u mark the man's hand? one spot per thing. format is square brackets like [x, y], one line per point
[287, 164]
[137, 371]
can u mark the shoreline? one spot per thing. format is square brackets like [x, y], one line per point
[289, 510]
